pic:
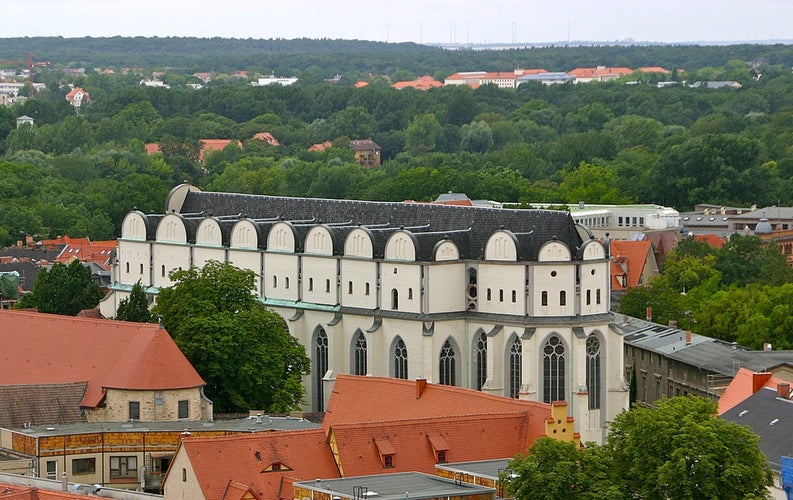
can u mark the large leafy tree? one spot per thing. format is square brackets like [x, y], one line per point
[243, 351]
[682, 449]
[63, 289]
[135, 307]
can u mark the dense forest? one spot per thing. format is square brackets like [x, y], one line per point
[78, 172]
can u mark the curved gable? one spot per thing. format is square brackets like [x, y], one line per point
[401, 246]
[209, 233]
[502, 245]
[446, 250]
[134, 226]
[554, 251]
[319, 241]
[172, 229]
[359, 244]
[245, 234]
[281, 238]
[594, 250]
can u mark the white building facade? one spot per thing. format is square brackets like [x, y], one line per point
[510, 302]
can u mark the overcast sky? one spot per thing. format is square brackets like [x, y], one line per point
[423, 21]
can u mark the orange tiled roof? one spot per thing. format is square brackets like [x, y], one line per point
[73, 93]
[653, 69]
[361, 84]
[25, 492]
[422, 83]
[713, 240]
[599, 72]
[414, 441]
[628, 257]
[51, 349]
[267, 137]
[744, 384]
[247, 459]
[322, 146]
[98, 252]
[208, 145]
[351, 401]
[152, 148]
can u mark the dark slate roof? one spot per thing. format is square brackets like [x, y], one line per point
[771, 418]
[33, 253]
[41, 404]
[531, 227]
[28, 273]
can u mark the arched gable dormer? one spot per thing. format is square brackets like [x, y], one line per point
[401, 246]
[446, 250]
[319, 241]
[359, 244]
[135, 226]
[281, 238]
[209, 233]
[502, 246]
[245, 234]
[554, 251]
[172, 229]
[593, 250]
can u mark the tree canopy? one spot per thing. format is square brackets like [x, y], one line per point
[63, 289]
[679, 449]
[135, 307]
[243, 351]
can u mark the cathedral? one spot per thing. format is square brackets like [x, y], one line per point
[513, 303]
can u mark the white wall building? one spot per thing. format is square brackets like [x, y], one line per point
[510, 302]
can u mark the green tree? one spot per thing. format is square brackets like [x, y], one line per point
[422, 134]
[63, 289]
[476, 137]
[683, 450]
[243, 351]
[558, 470]
[745, 259]
[135, 307]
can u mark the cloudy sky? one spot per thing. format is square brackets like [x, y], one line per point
[423, 21]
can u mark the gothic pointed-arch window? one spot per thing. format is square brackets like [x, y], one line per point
[515, 367]
[359, 355]
[395, 299]
[400, 359]
[448, 364]
[319, 369]
[553, 370]
[593, 371]
[481, 360]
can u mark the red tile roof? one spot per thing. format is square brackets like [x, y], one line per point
[51, 349]
[82, 249]
[414, 442]
[267, 137]
[152, 148]
[713, 240]
[351, 401]
[420, 83]
[599, 72]
[209, 145]
[653, 69]
[25, 492]
[628, 258]
[322, 146]
[744, 384]
[247, 460]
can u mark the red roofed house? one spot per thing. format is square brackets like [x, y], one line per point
[122, 365]
[77, 97]
[632, 264]
[322, 146]
[598, 74]
[267, 137]
[744, 384]
[366, 152]
[411, 426]
[503, 79]
[210, 145]
[421, 83]
[61, 376]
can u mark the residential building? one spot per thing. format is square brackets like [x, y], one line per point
[502, 79]
[366, 152]
[78, 97]
[24, 120]
[212, 145]
[633, 263]
[274, 80]
[421, 83]
[322, 146]
[267, 137]
[547, 78]
[511, 302]
[598, 74]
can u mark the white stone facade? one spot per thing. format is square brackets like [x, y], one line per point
[468, 302]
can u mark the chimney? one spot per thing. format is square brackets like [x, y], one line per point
[688, 337]
[421, 384]
[783, 390]
[649, 313]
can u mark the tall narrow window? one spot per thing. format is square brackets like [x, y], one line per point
[481, 360]
[501, 295]
[597, 296]
[563, 298]
[141, 269]
[327, 286]
[367, 289]
[320, 368]
[184, 408]
[410, 293]
[553, 368]
[162, 271]
[448, 364]
[134, 410]
[593, 371]
[360, 354]
[514, 296]
[544, 298]
[275, 281]
[400, 356]
[311, 284]
[395, 299]
[349, 287]
[489, 295]
[589, 297]
[286, 282]
[515, 368]
[127, 267]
